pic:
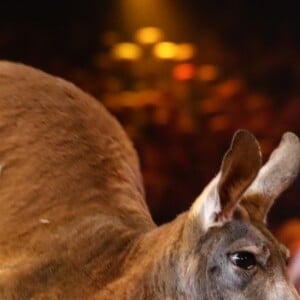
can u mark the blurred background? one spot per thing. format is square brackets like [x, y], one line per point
[181, 76]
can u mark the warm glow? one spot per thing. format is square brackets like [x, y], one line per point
[165, 50]
[219, 123]
[212, 105]
[126, 51]
[134, 100]
[185, 51]
[148, 35]
[229, 88]
[184, 71]
[208, 72]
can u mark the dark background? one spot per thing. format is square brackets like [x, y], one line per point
[181, 138]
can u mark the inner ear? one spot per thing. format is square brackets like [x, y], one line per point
[239, 168]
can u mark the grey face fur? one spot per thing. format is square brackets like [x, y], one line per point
[74, 223]
[260, 275]
[237, 257]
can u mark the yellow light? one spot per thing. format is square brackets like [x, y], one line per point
[148, 35]
[126, 51]
[208, 72]
[185, 51]
[165, 50]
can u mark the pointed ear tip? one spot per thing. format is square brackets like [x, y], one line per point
[289, 144]
[243, 136]
[241, 131]
[290, 137]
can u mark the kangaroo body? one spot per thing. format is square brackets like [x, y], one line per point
[74, 223]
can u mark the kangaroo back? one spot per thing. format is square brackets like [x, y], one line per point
[70, 178]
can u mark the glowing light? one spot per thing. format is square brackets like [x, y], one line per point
[229, 88]
[126, 51]
[185, 51]
[148, 35]
[165, 50]
[184, 71]
[208, 72]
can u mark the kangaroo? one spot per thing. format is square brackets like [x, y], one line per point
[74, 223]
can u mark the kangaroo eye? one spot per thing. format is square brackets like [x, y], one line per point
[243, 259]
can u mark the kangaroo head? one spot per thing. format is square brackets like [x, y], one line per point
[230, 254]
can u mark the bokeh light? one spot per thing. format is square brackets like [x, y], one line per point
[183, 72]
[148, 35]
[165, 50]
[185, 51]
[126, 51]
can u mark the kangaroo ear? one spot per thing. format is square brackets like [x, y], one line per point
[221, 197]
[274, 177]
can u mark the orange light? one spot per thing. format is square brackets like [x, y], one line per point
[165, 50]
[148, 35]
[185, 51]
[208, 72]
[126, 51]
[229, 88]
[184, 72]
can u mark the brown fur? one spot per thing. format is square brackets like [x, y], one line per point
[60, 153]
[74, 223]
